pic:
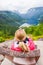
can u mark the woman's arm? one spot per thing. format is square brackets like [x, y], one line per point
[15, 47]
[31, 44]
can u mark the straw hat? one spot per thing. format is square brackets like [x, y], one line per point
[20, 34]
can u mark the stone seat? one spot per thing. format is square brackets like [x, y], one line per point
[24, 61]
[21, 58]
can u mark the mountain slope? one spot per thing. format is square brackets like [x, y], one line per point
[33, 15]
[14, 18]
[10, 18]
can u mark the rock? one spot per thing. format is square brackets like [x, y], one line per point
[1, 57]
[7, 62]
[40, 39]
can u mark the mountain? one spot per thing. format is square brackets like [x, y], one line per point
[10, 18]
[33, 15]
[14, 18]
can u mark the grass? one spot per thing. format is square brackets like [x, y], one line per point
[36, 37]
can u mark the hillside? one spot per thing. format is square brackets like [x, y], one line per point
[9, 23]
[10, 18]
[33, 15]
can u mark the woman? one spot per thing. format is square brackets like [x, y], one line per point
[22, 42]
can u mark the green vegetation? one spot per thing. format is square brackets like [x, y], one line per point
[35, 31]
[7, 31]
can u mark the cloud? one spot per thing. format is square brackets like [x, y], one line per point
[20, 5]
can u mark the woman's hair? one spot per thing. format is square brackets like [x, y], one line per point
[20, 34]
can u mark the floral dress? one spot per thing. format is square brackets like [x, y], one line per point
[28, 41]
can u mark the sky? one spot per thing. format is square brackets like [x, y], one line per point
[20, 5]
